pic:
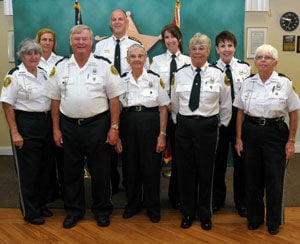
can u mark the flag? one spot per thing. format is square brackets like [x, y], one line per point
[177, 14]
[78, 19]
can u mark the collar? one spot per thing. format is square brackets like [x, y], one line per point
[121, 39]
[169, 54]
[203, 67]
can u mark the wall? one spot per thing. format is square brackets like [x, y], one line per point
[5, 26]
[288, 61]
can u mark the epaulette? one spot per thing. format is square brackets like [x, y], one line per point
[124, 74]
[42, 68]
[251, 75]
[183, 66]
[243, 62]
[215, 66]
[65, 57]
[103, 58]
[283, 75]
[215, 63]
[135, 39]
[13, 70]
[104, 38]
[152, 72]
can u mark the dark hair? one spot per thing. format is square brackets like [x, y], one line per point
[225, 35]
[175, 31]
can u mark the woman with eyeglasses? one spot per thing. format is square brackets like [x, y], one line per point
[264, 138]
[201, 99]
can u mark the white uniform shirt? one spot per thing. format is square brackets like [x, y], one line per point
[272, 99]
[84, 92]
[215, 96]
[49, 64]
[240, 71]
[148, 90]
[26, 92]
[106, 48]
[161, 65]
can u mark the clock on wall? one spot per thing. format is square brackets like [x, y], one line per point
[289, 21]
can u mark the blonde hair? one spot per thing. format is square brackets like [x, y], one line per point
[200, 39]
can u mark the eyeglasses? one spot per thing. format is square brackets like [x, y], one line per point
[264, 57]
[199, 49]
[139, 56]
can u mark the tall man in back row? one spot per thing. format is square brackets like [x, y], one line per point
[85, 110]
[115, 48]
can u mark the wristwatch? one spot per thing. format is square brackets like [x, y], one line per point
[114, 126]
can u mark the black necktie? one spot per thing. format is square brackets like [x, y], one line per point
[229, 76]
[173, 67]
[117, 62]
[195, 92]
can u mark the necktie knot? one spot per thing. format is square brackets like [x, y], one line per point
[173, 56]
[118, 41]
[198, 70]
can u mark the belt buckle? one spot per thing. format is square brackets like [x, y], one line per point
[79, 121]
[139, 108]
[262, 121]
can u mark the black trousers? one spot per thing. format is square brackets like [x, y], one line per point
[34, 161]
[87, 140]
[196, 140]
[139, 132]
[227, 137]
[264, 151]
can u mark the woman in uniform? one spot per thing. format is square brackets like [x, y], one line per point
[143, 125]
[27, 111]
[265, 139]
[201, 99]
[47, 39]
[165, 65]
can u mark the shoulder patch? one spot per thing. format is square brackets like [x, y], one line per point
[183, 66]
[113, 70]
[243, 62]
[124, 74]
[162, 84]
[214, 66]
[102, 38]
[65, 57]
[103, 58]
[135, 39]
[52, 73]
[152, 72]
[7, 81]
[13, 70]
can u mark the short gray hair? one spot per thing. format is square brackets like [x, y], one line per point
[28, 45]
[200, 39]
[134, 47]
[269, 49]
[77, 29]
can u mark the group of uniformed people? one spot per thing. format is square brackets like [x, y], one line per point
[93, 104]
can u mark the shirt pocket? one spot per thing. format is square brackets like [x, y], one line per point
[277, 101]
[95, 86]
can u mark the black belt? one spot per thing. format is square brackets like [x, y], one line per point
[140, 108]
[265, 121]
[33, 114]
[83, 121]
[197, 116]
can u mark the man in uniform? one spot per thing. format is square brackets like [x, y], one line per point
[83, 88]
[115, 48]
